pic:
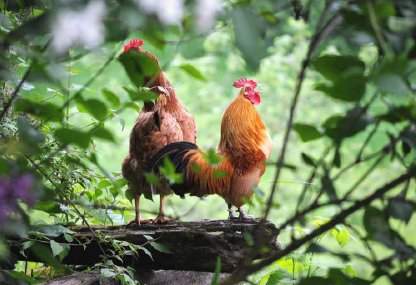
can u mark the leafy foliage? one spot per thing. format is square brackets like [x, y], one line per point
[61, 115]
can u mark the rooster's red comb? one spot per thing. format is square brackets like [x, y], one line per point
[243, 81]
[134, 43]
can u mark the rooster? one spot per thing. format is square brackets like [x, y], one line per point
[244, 147]
[159, 123]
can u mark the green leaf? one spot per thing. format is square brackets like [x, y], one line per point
[94, 107]
[52, 230]
[161, 247]
[389, 77]
[72, 136]
[307, 132]
[56, 248]
[107, 273]
[140, 95]
[220, 174]
[147, 252]
[104, 184]
[22, 276]
[112, 98]
[355, 121]
[349, 270]
[129, 195]
[249, 29]
[212, 157]
[68, 237]
[401, 209]
[398, 114]
[278, 276]
[46, 257]
[332, 67]
[138, 66]
[192, 71]
[104, 134]
[48, 207]
[342, 237]
[152, 178]
[132, 105]
[27, 133]
[44, 111]
[216, 277]
[64, 252]
[308, 159]
[121, 182]
[391, 83]
[328, 187]
[348, 88]
[27, 244]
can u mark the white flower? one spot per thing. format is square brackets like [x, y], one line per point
[79, 27]
[169, 12]
[206, 10]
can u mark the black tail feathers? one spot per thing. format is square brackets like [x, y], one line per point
[176, 152]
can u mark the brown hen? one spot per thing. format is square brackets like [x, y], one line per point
[159, 123]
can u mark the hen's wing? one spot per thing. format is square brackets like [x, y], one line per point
[150, 133]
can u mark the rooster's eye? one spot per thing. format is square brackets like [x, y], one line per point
[248, 88]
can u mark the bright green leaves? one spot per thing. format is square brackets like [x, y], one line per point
[72, 136]
[341, 127]
[307, 132]
[342, 235]
[161, 247]
[389, 77]
[333, 66]
[94, 107]
[328, 187]
[248, 31]
[112, 98]
[345, 74]
[138, 66]
[140, 94]
[44, 111]
[192, 71]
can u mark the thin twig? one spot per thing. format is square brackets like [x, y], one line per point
[70, 201]
[16, 91]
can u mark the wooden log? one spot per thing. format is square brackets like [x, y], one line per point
[195, 246]
[159, 277]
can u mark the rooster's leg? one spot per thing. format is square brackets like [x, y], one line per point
[243, 215]
[231, 212]
[138, 220]
[160, 219]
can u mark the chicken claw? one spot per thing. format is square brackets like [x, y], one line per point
[140, 221]
[163, 220]
[244, 216]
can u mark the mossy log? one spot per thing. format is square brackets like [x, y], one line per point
[195, 246]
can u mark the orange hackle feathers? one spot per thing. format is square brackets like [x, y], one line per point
[205, 176]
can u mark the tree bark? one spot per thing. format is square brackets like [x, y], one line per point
[195, 246]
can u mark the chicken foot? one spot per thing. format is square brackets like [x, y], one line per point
[231, 212]
[138, 220]
[243, 215]
[160, 219]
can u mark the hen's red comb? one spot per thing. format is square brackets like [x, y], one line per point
[134, 43]
[243, 81]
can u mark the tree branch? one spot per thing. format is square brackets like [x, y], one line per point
[247, 269]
